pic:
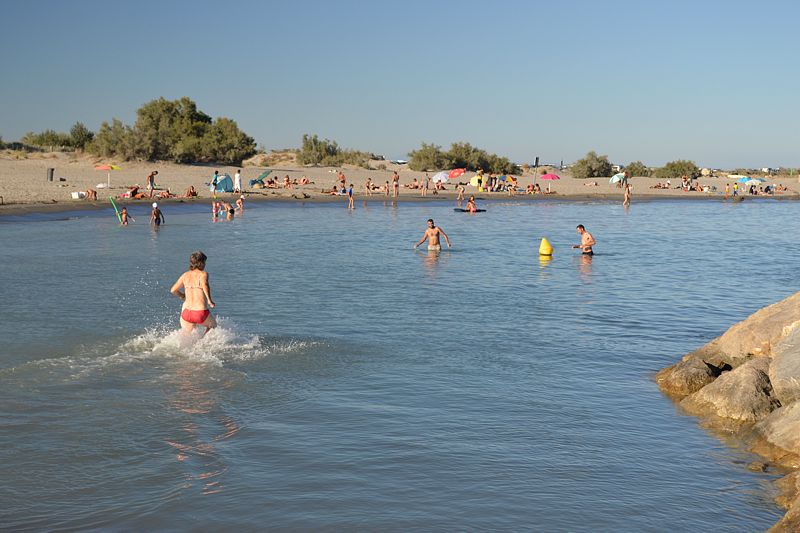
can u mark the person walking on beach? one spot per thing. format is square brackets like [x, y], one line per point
[196, 295]
[736, 189]
[368, 186]
[151, 182]
[156, 216]
[587, 241]
[124, 216]
[626, 200]
[350, 203]
[237, 181]
[395, 184]
[432, 236]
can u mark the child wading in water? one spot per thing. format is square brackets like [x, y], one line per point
[124, 216]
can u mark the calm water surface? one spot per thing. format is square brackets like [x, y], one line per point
[356, 383]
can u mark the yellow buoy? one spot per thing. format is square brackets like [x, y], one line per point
[545, 248]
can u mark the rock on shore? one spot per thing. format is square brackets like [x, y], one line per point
[748, 379]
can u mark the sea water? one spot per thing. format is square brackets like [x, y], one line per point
[355, 383]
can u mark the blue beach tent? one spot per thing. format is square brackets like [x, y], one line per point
[224, 184]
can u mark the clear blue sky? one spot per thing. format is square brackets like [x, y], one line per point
[712, 81]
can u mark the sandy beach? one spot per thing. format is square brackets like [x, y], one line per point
[24, 186]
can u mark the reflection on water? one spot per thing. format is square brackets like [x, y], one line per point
[585, 266]
[190, 393]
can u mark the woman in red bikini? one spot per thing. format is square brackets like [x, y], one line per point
[196, 295]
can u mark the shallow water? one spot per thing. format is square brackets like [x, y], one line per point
[355, 383]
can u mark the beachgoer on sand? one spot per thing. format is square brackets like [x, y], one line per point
[587, 241]
[432, 236]
[196, 295]
[237, 181]
[151, 183]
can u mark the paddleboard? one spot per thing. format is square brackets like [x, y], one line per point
[457, 210]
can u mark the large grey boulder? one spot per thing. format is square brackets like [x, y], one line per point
[686, 376]
[743, 394]
[757, 335]
[784, 372]
[782, 428]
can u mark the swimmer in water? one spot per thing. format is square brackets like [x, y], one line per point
[156, 216]
[587, 241]
[240, 204]
[471, 207]
[196, 295]
[432, 235]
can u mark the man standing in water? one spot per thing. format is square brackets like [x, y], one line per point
[587, 241]
[626, 201]
[395, 184]
[196, 295]
[432, 235]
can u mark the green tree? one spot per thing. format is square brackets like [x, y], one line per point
[637, 168]
[174, 130]
[47, 139]
[460, 155]
[80, 136]
[114, 140]
[677, 169]
[314, 150]
[428, 157]
[162, 124]
[224, 142]
[591, 166]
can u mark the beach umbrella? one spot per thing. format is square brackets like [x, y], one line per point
[616, 178]
[108, 169]
[440, 176]
[550, 177]
[456, 172]
[751, 181]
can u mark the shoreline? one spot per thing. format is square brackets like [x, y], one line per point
[25, 187]
[30, 208]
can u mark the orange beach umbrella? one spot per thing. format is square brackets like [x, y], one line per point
[107, 168]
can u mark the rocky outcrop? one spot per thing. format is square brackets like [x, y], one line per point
[782, 428]
[743, 394]
[755, 336]
[748, 381]
[785, 368]
[687, 376]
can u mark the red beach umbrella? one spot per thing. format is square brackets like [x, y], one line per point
[550, 177]
[456, 172]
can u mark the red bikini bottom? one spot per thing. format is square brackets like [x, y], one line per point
[195, 317]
